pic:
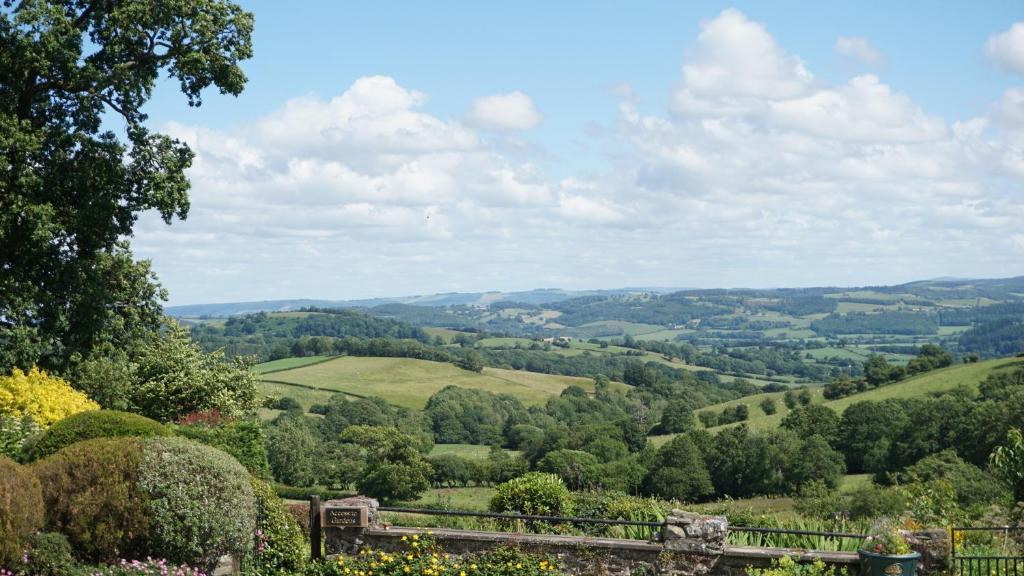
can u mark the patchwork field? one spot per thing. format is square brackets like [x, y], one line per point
[409, 383]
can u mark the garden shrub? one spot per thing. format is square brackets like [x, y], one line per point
[534, 493]
[616, 505]
[199, 501]
[243, 439]
[32, 401]
[280, 544]
[787, 566]
[91, 495]
[49, 554]
[420, 554]
[44, 398]
[21, 509]
[94, 424]
[163, 497]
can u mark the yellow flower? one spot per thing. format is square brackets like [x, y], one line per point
[41, 397]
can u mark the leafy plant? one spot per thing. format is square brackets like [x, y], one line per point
[534, 493]
[787, 566]
[420, 554]
[887, 539]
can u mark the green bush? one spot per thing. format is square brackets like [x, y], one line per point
[21, 509]
[243, 439]
[94, 424]
[91, 495]
[199, 501]
[280, 544]
[303, 493]
[873, 501]
[787, 566]
[49, 554]
[163, 497]
[535, 493]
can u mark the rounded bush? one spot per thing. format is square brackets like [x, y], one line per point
[535, 493]
[91, 495]
[94, 424]
[162, 497]
[49, 554]
[21, 509]
[199, 502]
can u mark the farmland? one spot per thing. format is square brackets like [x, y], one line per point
[409, 383]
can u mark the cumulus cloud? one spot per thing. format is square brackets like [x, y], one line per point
[756, 174]
[1006, 49]
[859, 48]
[737, 65]
[512, 111]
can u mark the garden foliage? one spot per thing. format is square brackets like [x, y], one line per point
[21, 509]
[94, 424]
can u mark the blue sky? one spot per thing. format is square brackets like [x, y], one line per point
[588, 145]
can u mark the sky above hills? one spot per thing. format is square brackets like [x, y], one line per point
[386, 148]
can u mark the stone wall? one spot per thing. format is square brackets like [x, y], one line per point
[689, 545]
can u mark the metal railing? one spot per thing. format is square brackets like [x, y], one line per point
[970, 559]
[526, 517]
[651, 525]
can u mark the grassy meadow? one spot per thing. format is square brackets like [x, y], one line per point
[409, 383]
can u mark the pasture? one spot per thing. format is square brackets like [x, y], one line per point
[409, 383]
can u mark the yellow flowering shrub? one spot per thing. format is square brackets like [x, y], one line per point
[422, 556]
[43, 398]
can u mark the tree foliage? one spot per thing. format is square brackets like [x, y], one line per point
[70, 190]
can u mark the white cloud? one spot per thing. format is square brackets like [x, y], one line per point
[512, 111]
[864, 109]
[756, 174]
[859, 48]
[737, 65]
[1006, 49]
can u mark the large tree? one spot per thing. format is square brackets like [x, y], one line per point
[71, 189]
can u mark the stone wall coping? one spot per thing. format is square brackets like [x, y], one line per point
[754, 553]
[520, 538]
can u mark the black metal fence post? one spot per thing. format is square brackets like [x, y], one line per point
[315, 538]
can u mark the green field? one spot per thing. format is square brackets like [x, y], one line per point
[468, 451]
[287, 363]
[472, 498]
[409, 383]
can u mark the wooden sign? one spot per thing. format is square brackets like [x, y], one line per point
[345, 517]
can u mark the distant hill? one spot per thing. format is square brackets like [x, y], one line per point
[534, 297]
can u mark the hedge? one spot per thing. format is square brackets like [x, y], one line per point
[21, 509]
[94, 424]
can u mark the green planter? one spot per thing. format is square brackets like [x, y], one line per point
[872, 564]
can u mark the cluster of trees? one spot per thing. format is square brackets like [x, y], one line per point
[879, 372]
[739, 463]
[885, 322]
[1001, 337]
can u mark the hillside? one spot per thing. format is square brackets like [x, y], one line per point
[408, 382]
[921, 385]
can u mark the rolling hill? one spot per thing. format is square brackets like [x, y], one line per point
[921, 385]
[407, 382]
